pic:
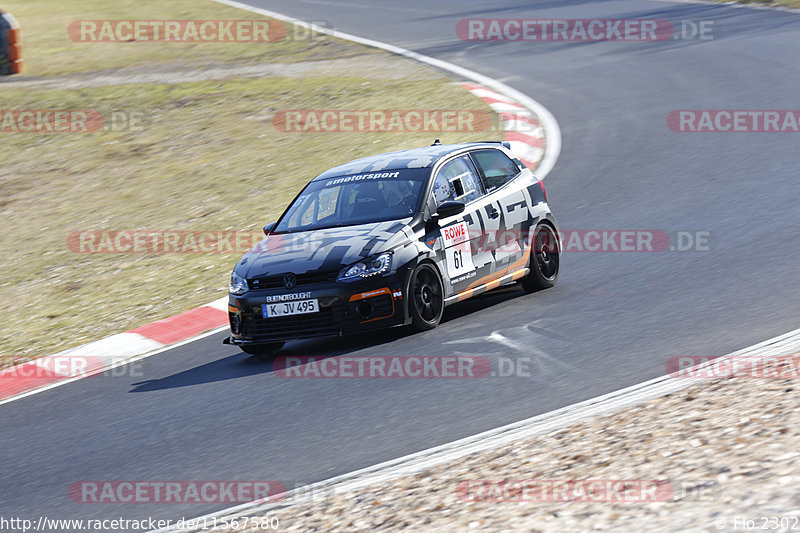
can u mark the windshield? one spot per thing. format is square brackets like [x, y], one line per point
[356, 199]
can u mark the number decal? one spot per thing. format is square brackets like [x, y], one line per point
[457, 249]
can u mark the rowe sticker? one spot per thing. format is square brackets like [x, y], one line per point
[457, 249]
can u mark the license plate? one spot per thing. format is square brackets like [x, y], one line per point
[297, 307]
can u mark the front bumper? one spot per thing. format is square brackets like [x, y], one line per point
[343, 308]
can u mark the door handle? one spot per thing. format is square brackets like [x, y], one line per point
[494, 213]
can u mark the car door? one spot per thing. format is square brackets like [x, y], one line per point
[507, 214]
[464, 260]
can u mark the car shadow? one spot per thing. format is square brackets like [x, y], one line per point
[482, 301]
[239, 365]
[232, 367]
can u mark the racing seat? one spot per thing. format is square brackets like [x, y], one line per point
[369, 200]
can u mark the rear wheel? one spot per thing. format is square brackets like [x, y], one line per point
[545, 259]
[262, 350]
[427, 297]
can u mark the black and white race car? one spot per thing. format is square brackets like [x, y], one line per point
[391, 240]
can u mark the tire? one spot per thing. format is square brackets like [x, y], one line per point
[262, 350]
[545, 260]
[426, 292]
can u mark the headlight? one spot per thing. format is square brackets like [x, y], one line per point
[367, 268]
[238, 284]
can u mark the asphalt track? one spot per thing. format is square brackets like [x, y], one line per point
[204, 412]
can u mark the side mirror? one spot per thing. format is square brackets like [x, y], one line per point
[449, 208]
[268, 228]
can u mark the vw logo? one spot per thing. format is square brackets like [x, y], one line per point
[289, 280]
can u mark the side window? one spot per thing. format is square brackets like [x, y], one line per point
[457, 180]
[495, 167]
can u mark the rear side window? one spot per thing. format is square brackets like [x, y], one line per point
[495, 167]
[457, 180]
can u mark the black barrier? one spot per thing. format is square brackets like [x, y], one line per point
[10, 49]
[5, 60]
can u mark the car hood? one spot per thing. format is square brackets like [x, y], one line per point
[323, 250]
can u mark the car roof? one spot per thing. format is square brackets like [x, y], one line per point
[412, 158]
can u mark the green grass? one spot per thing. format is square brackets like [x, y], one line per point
[207, 158]
[48, 49]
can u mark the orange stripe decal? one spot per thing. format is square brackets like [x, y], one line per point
[370, 294]
[493, 284]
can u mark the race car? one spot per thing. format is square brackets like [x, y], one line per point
[391, 240]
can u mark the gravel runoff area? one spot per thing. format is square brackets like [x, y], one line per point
[721, 454]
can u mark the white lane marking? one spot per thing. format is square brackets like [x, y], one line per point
[501, 339]
[548, 121]
[502, 107]
[709, 3]
[526, 152]
[415, 463]
[522, 339]
[486, 93]
[120, 345]
[114, 364]
[221, 304]
[523, 127]
[88, 358]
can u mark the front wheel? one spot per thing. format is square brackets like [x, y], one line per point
[262, 350]
[427, 297]
[545, 260]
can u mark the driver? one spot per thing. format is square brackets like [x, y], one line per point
[441, 189]
[402, 195]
